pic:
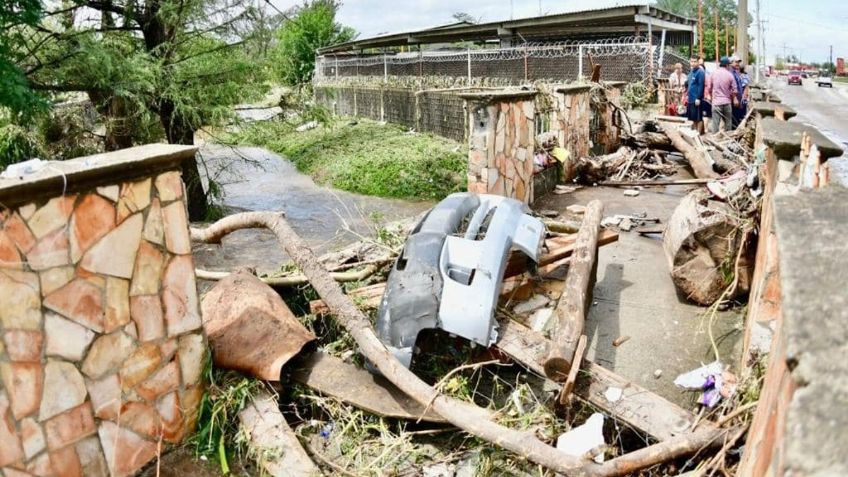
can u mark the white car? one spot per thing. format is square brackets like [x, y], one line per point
[824, 81]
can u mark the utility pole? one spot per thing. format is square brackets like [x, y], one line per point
[830, 67]
[715, 16]
[742, 31]
[760, 53]
[726, 39]
[701, 28]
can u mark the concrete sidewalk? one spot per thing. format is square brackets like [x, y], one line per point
[634, 296]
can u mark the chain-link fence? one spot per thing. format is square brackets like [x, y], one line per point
[621, 59]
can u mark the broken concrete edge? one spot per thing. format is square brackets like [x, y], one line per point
[85, 173]
[784, 138]
[767, 109]
[811, 227]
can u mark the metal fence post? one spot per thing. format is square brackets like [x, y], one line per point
[337, 67]
[580, 62]
[469, 67]
[662, 51]
[385, 68]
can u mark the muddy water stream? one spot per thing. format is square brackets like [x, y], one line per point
[257, 179]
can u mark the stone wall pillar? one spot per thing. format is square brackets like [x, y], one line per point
[501, 143]
[102, 347]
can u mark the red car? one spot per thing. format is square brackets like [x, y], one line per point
[794, 78]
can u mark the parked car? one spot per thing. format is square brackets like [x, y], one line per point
[824, 81]
[794, 78]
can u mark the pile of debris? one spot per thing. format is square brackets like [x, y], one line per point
[499, 292]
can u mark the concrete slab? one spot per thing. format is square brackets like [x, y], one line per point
[784, 137]
[634, 296]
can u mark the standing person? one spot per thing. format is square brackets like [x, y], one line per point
[677, 84]
[706, 107]
[695, 95]
[742, 81]
[723, 95]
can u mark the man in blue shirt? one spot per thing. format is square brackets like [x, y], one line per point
[741, 83]
[695, 95]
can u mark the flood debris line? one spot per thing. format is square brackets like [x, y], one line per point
[624, 164]
[467, 417]
[272, 441]
[577, 297]
[250, 328]
[697, 156]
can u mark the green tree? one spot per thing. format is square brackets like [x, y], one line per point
[727, 19]
[313, 25]
[15, 94]
[152, 68]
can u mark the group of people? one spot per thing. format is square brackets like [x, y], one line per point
[720, 97]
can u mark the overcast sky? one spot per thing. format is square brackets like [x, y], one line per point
[807, 27]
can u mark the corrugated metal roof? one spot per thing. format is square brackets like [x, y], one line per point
[626, 15]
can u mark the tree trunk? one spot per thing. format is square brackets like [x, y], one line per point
[114, 112]
[573, 305]
[179, 131]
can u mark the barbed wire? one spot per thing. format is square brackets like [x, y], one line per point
[629, 58]
[559, 49]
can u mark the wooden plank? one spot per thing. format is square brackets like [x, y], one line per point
[568, 386]
[270, 435]
[348, 383]
[639, 408]
[367, 297]
[558, 248]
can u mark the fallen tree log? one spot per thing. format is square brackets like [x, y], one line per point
[467, 417]
[698, 159]
[294, 280]
[648, 139]
[701, 242]
[573, 304]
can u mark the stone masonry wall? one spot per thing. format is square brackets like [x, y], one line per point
[102, 348]
[501, 146]
[797, 324]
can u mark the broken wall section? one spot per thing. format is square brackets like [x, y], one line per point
[797, 323]
[102, 348]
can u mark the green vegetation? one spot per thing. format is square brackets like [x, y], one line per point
[17, 144]
[217, 437]
[727, 21]
[367, 157]
[840, 79]
[313, 27]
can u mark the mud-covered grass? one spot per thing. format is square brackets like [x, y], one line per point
[366, 157]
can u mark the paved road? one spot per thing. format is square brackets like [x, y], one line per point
[824, 108]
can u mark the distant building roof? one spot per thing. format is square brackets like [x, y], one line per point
[605, 22]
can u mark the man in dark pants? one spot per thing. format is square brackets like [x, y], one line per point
[741, 84]
[723, 95]
[695, 95]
